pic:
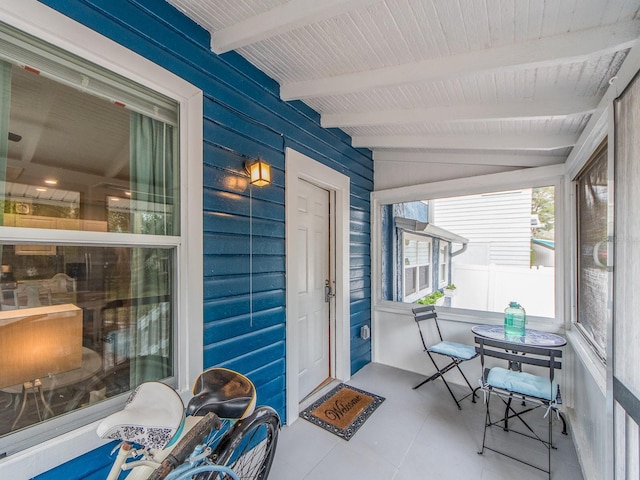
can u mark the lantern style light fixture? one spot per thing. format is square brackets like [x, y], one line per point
[259, 172]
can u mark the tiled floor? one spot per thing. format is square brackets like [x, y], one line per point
[414, 434]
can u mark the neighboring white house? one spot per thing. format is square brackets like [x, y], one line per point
[498, 226]
[496, 264]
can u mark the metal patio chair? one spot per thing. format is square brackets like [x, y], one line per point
[529, 390]
[455, 353]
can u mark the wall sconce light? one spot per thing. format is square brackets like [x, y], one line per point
[259, 172]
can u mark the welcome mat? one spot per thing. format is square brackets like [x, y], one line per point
[343, 410]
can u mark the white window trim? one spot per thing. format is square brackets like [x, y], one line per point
[531, 177]
[443, 263]
[602, 126]
[55, 28]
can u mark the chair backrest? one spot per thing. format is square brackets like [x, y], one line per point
[513, 353]
[424, 315]
[33, 294]
[61, 282]
[63, 288]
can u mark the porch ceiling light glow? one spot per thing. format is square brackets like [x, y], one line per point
[259, 172]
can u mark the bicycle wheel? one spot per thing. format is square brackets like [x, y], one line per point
[249, 446]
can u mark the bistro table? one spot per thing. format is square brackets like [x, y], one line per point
[532, 337]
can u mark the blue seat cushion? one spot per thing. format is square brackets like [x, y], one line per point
[453, 349]
[522, 383]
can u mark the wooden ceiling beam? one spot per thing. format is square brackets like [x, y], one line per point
[561, 49]
[481, 158]
[281, 19]
[556, 108]
[467, 142]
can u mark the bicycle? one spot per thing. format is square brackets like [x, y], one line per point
[220, 435]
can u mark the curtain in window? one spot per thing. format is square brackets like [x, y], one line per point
[152, 210]
[152, 176]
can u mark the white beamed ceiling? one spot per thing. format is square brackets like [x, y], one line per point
[502, 83]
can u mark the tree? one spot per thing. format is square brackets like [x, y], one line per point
[542, 205]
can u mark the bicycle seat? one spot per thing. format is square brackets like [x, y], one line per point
[224, 392]
[153, 414]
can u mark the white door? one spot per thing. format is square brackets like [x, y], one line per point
[312, 274]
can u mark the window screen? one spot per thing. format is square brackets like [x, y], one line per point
[592, 194]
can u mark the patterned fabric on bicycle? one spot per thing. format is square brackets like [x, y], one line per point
[224, 392]
[153, 414]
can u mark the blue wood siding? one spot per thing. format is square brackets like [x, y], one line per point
[243, 118]
[91, 466]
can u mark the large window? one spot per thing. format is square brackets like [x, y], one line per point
[495, 247]
[89, 235]
[593, 278]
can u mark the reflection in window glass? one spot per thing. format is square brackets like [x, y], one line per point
[410, 252]
[108, 312]
[86, 151]
[417, 266]
[424, 277]
[74, 146]
[410, 280]
[593, 279]
[443, 260]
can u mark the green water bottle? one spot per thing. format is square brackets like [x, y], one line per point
[514, 320]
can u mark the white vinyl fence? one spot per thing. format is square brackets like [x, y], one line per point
[492, 287]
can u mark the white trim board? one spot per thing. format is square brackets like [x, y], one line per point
[299, 166]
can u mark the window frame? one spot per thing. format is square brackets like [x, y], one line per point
[419, 293]
[444, 255]
[553, 175]
[600, 351]
[602, 128]
[41, 21]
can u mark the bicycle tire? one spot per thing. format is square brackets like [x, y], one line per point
[239, 451]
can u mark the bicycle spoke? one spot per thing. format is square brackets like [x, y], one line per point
[249, 450]
[251, 463]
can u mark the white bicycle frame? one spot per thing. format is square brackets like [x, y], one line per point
[141, 469]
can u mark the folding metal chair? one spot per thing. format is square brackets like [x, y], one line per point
[532, 391]
[456, 353]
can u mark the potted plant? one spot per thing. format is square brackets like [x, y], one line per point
[435, 298]
[450, 290]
